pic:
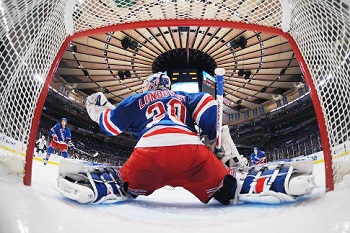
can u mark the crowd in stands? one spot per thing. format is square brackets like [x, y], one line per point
[290, 132]
[108, 152]
[299, 141]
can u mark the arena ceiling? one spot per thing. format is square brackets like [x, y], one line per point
[257, 73]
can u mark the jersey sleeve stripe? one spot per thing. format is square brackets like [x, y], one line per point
[200, 103]
[108, 125]
[206, 102]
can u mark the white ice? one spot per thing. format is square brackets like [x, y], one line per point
[41, 209]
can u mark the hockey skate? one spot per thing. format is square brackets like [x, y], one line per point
[227, 191]
[46, 160]
[87, 182]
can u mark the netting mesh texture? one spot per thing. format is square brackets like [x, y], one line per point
[32, 32]
[323, 37]
[93, 14]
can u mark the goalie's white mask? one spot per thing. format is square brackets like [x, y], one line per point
[156, 81]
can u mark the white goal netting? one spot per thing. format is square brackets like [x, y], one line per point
[32, 32]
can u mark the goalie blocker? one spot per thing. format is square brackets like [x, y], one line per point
[270, 183]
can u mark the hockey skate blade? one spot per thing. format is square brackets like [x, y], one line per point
[74, 191]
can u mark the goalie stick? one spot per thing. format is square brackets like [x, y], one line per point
[219, 98]
[86, 153]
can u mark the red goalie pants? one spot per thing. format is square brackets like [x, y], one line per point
[193, 167]
[63, 146]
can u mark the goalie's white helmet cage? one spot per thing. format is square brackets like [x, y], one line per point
[35, 34]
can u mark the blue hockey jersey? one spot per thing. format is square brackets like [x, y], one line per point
[256, 158]
[163, 117]
[63, 134]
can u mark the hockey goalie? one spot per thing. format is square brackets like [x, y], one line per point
[170, 152]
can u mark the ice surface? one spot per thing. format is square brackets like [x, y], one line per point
[41, 209]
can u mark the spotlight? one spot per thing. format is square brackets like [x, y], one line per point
[86, 73]
[184, 29]
[127, 73]
[234, 44]
[133, 45]
[128, 43]
[241, 73]
[242, 42]
[247, 74]
[283, 71]
[121, 75]
[74, 48]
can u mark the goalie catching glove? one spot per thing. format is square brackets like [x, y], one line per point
[228, 154]
[96, 104]
[87, 182]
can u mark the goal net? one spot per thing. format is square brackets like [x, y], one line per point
[35, 33]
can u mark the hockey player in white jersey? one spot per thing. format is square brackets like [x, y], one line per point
[170, 152]
[41, 147]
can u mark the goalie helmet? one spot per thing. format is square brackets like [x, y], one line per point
[156, 81]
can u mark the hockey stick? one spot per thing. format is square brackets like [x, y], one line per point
[219, 98]
[86, 153]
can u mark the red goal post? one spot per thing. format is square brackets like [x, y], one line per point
[52, 31]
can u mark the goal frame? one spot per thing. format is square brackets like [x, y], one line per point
[184, 22]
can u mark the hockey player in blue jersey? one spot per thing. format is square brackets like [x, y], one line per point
[61, 138]
[257, 157]
[170, 152]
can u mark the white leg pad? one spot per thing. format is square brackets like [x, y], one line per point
[74, 191]
[301, 185]
[87, 182]
[298, 181]
[266, 197]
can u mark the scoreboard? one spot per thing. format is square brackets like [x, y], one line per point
[209, 84]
